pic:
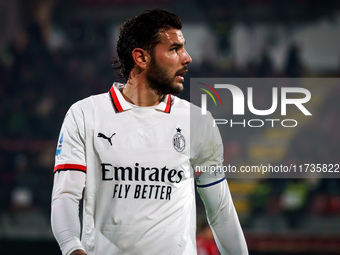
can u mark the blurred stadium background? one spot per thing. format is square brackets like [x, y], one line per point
[53, 53]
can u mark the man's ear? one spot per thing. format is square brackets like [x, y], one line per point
[141, 57]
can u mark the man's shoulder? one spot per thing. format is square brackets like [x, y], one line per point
[197, 118]
[180, 102]
[90, 101]
[185, 104]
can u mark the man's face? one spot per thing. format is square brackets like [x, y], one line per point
[168, 64]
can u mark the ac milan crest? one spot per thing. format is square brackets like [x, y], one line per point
[179, 141]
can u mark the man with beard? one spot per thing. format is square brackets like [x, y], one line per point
[129, 154]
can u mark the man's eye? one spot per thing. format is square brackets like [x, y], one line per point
[174, 49]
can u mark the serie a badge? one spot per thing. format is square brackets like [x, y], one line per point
[60, 145]
[179, 141]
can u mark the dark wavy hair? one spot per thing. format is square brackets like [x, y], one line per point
[142, 32]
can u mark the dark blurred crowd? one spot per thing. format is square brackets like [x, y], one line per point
[309, 195]
[40, 81]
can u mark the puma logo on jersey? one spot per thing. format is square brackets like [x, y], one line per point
[101, 135]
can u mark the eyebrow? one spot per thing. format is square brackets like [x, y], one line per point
[177, 44]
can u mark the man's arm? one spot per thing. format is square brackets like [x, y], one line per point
[222, 218]
[69, 184]
[207, 153]
[67, 192]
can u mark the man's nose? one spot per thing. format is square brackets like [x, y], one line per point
[186, 58]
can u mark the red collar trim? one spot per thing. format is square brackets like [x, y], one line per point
[121, 105]
[168, 104]
[115, 100]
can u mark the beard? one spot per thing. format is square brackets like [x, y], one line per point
[159, 79]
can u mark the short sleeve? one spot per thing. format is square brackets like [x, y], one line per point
[70, 153]
[206, 150]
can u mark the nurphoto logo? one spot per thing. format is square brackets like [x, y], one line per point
[280, 96]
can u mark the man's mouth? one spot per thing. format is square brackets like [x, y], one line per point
[181, 72]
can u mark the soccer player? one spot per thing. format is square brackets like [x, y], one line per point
[129, 156]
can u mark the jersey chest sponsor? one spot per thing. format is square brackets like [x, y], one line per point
[141, 182]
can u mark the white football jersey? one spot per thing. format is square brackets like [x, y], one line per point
[139, 195]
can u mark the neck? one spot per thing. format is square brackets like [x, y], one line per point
[137, 92]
